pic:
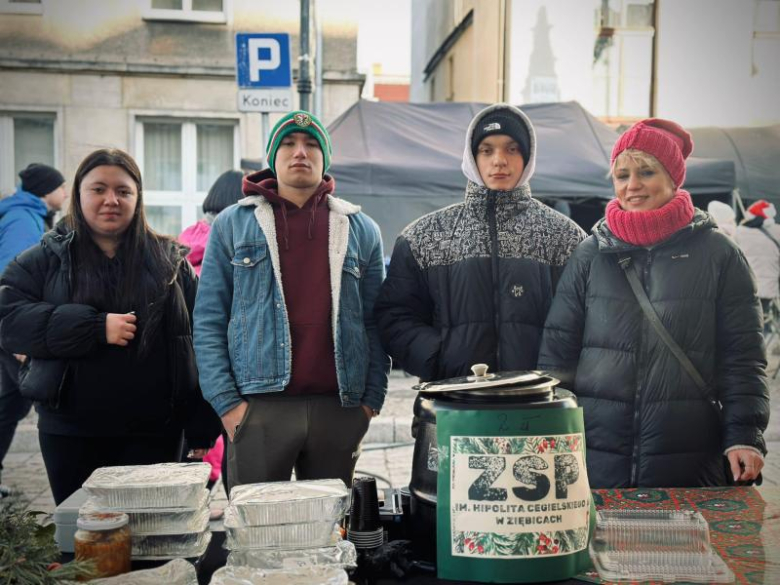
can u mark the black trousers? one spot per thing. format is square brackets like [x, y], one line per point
[70, 460]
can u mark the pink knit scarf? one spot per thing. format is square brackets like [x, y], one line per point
[646, 228]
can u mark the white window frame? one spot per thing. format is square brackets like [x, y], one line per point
[8, 178]
[189, 199]
[8, 7]
[187, 14]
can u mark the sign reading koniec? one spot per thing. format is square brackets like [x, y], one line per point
[264, 72]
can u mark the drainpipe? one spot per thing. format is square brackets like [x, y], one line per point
[304, 59]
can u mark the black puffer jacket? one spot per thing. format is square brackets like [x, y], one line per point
[472, 283]
[646, 422]
[38, 319]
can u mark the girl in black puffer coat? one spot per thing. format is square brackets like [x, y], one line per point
[101, 309]
[647, 423]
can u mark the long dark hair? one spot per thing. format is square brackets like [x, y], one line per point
[149, 260]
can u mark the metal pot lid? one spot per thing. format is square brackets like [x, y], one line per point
[482, 380]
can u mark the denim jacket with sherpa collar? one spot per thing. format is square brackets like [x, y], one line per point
[241, 326]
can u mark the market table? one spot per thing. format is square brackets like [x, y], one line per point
[744, 530]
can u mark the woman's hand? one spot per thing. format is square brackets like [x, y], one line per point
[197, 453]
[746, 464]
[120, 328]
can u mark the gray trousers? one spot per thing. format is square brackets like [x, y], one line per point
[315, 435]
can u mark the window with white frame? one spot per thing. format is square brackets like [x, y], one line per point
[188, 10]
[180, 160]
[21, 6]
[623, 58]
[24, 138]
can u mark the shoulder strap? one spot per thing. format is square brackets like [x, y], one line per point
[663, 333]
[770, 236]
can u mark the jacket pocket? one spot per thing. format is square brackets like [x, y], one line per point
[252, 297]
[351, 299]
[244, 420]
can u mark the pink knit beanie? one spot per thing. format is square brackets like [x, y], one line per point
[667, 141]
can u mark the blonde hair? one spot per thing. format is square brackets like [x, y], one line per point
[641, 159]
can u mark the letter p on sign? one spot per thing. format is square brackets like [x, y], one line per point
[264, 55]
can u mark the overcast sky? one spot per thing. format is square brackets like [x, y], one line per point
[384, 36]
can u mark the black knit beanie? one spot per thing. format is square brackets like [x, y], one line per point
[40, 179]
[502, 122]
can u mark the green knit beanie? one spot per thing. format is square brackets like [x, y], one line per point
[299, 121]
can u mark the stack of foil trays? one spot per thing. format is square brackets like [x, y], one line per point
[167, 503]
[276, 529]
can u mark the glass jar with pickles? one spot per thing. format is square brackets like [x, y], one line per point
[104, 537]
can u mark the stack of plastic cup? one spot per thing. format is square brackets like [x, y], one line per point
[365, 530]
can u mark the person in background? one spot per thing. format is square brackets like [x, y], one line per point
[651, 418]
[24, 217]
[225, 191]
[287, 346]
[724, 216]
[102, 308]
[759, 237]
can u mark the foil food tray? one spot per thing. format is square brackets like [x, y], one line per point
[169, 546]
[289, 502]
[298, 535]
[162, 485]
[342, 554]
[301, 576]
[175, 572]
[161, 520]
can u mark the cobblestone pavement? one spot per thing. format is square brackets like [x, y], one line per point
[25, 471]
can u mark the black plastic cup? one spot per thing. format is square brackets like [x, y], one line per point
[364, 511]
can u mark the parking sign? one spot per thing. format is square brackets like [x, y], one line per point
[263, 60]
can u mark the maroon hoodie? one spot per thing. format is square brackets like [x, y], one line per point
[302, 235]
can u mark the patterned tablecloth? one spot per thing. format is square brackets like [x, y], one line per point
[744, 523]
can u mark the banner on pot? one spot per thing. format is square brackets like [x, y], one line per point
[514, 503]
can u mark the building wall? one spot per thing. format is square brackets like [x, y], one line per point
[719, 62]
[471, 69]
[99, 69]
[716, 61]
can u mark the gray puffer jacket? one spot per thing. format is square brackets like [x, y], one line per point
[646, 422]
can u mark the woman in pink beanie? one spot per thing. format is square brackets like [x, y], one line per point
[657, 416]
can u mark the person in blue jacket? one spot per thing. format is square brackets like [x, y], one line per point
[28, 213]
[24, 217]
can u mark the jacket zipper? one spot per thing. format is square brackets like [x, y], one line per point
[635, 456]
[494, 273]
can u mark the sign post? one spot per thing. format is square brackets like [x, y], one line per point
[264, 75]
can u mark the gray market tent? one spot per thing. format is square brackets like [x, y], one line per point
[400, 161]
[755, 153]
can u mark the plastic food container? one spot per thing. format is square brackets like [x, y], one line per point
[105, 539]
[304, 576]
[299, 535]
[161, 520]
[656, 545]
[163, 485]
[170, 546]
[289, 502]
[342, 554]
